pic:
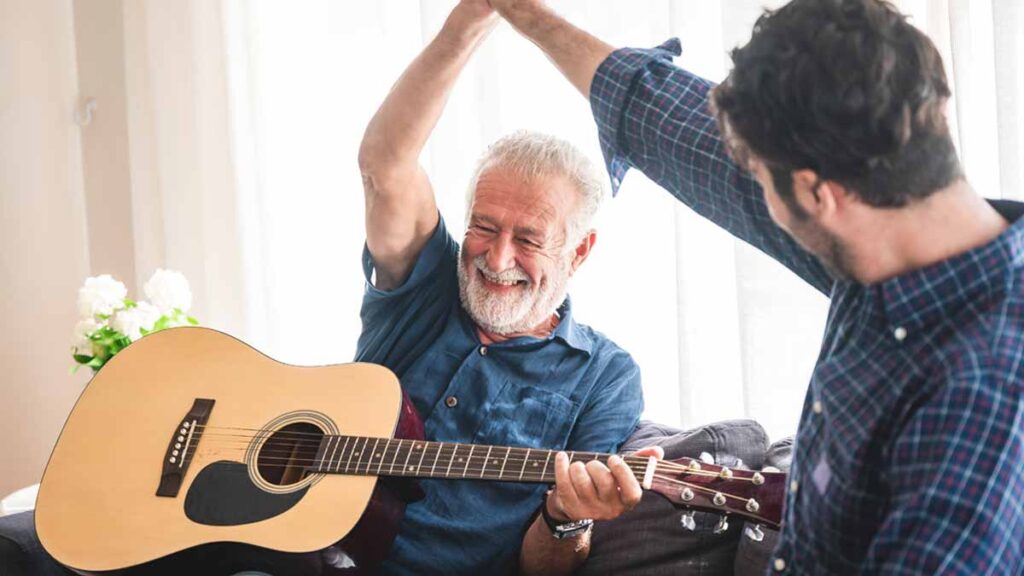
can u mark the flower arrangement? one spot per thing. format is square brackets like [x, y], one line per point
[110, 321]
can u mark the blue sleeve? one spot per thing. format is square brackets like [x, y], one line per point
[957, 484]
[400, 324]
[612, 409]
[654, 116]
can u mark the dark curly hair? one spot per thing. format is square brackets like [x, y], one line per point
[848, 89]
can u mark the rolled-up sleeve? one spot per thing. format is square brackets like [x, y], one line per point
[654, 116]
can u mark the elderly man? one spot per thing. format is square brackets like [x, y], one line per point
[908, 454]
[483, 336]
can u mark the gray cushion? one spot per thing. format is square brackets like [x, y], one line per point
[21, 553]
[650, 539]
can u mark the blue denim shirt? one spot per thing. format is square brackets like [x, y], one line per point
[575, 390]
[908, 454]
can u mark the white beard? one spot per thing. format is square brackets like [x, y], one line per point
[516, 312]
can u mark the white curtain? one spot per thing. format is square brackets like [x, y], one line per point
[719, 330]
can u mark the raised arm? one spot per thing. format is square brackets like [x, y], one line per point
[654, 116]
[401, 212]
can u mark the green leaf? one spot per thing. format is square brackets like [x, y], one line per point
[162, 323]
[192, 321]
[129, 303]
[82, 358]
[96, 363]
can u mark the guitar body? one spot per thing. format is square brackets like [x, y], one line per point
[180, 451]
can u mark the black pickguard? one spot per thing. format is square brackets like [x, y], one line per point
[223, 495]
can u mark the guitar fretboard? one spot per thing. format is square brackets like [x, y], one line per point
[422, 459]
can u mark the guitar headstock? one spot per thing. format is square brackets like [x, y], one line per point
[756, 496]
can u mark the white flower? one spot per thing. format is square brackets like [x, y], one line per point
[80, 343]
[168, 290]
[100, 295]
[131, 321]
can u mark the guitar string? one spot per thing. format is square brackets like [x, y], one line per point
[513, 458]
[640, 465]
[290, 434]
[638, 468]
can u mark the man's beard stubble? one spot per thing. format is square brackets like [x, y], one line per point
[516, 312]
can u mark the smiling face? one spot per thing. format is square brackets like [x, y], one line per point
[515, 261]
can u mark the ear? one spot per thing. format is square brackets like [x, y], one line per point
[824, 200]
[583, 250]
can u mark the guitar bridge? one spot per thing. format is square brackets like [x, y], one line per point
[182, 446]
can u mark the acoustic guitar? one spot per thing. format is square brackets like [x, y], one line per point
[190, 446]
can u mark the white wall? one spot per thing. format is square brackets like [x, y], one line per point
[43, 250]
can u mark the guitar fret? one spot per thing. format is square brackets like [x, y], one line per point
[408, 454]
[451, 459]
[323, 452]
[544, 472]
[395, 457]
[340, 454]
[525, 460]
[371, 455]
[380, 457]
[468, 460]
[358, 453]
[486, 458]
[501, 474]
[419, 465]
[436, 456]
[336, 440]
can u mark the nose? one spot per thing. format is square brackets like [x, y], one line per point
[501, 255]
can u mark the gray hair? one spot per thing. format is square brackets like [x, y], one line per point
[531, 154]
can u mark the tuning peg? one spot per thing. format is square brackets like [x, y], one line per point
[688, 521]
[722, 526]
[706, 458]
[754, 533]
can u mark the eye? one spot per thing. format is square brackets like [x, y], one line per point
[483, 228]
[529, 243]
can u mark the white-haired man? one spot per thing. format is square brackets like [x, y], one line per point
[483, 337]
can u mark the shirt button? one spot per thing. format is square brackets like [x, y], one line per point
[483, 350]
[899, 333]
[451, 401]
[793, 486]
[779, 564]
[817, 407]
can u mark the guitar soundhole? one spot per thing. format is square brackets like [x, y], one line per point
[288, 453]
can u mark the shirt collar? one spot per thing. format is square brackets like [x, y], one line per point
[924, 296]
[567, 331]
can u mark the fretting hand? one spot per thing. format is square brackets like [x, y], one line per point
[594, 490]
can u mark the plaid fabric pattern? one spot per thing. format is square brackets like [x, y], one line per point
[908, 455]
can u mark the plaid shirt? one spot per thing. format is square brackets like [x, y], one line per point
[908, 457]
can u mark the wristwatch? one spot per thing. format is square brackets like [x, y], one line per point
[561, 531]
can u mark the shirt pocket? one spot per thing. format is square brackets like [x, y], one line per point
[527, 416]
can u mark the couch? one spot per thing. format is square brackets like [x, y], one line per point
[650, 540]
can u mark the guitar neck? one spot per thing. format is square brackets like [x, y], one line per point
[422, 459]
